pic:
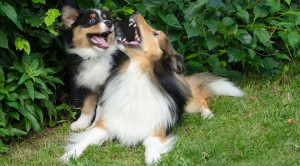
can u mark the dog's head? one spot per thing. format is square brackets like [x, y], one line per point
[91, 31]
[148, 45]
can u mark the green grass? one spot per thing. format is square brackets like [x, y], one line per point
[253, 130]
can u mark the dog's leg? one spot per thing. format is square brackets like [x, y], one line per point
[196, 105]
[87, 113]
[157, 144]
[97, 117]
[80, 141]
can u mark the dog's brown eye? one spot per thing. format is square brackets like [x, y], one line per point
[92, 21]
[156, 34]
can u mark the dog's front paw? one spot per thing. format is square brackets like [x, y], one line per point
[64, 159]
[152, 158]
[79, 125]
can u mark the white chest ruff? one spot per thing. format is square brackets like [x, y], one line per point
[134, 107]
[93, 73]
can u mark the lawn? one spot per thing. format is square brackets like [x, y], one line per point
[262, 128]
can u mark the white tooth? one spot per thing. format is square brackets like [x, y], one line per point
[124, 39]
[134, 25]
[130, 23]
[131, 20]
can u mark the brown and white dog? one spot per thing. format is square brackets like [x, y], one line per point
[145, 95]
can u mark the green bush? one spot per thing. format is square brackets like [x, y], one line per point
[226, 37]
[29, 64]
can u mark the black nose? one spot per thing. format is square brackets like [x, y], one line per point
[136, 12]
[108, 24]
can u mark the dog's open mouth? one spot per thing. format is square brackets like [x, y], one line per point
[137, 36]
[99, 40]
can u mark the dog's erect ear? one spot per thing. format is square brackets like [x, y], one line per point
[69, 15]
[177, 59]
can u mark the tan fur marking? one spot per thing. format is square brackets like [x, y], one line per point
[200, 95]
[111, 38]
[99, 124]
[93, 15]
[89, 104]
[80, 39]
[104, 16]
[160, 133]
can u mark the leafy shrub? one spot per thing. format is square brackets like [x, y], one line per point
[29, 63]
[225, 37]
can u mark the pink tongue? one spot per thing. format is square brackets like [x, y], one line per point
[100, 41]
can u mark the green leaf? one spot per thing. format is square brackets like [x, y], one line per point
[242, 14]
[49, 20]
[193, 63]
[191, 31]
[262, 34]
[293, 37]
[85, 4]
[275, 5]
[38, 1]
[2, 76]
[23, 78]
[227, 21]
[235, 56]
[270, 64]
[283, 56]
[288, 1]
[15, 115]
[50, 28]
[30, 88]
[10, 12]
[192, 56]
[3, 40]
[171, 20]
[38, 95]
[260, 10]
[35, 124]
[212, 25]
[251, 53]
[26, 46]
[214, 4]
[213, 41]
[19, 44]
[35, 64]
[55, 79]
[13, 104]
[34, 20]
[244, 36]
[52, 14]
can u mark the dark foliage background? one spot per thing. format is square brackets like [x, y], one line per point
[231, 38]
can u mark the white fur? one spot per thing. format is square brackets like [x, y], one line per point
[154, 148]
[94, 71]
[133, 107]
[206, 113]
[224, 87]
[79, 142]
[83, 121]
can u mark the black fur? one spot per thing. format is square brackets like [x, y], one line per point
[170, 85]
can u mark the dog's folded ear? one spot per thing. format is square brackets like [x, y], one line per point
[69, 15]
[177, 59]
[179, 64]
